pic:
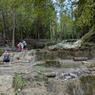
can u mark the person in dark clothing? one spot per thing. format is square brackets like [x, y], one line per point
[6, 57]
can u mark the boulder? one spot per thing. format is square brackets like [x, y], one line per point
[80, 58]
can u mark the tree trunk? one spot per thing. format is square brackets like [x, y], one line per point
[14, 28]
[4, 24]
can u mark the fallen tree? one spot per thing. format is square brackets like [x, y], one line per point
[89, 37]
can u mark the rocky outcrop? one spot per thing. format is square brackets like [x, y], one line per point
[47, 74]
[6, 82]
[66, 44]
[45, 54]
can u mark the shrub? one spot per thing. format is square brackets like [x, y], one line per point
[1, 52]
[19, 82]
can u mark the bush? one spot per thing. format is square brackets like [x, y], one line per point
[19, 82]
[88, 84]
[1, 52]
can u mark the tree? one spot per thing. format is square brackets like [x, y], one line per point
[84, 14]
[27, 18]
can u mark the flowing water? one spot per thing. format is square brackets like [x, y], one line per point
[50, 76]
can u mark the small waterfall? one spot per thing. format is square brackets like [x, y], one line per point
[77, 43]
[25, 56]
[67, 45]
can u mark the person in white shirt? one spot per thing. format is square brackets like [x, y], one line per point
[24, 45]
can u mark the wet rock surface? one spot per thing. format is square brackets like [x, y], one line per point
[78, 53]
[6, 84]
[45, 77]
[67, 44]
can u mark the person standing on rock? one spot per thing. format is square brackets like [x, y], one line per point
[20, 46]
[24, 44]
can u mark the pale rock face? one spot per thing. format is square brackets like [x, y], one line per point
[34, 91]
[6, 82]
[67, 45]
[64, 80]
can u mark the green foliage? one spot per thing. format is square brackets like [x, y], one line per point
[88, 84]
[1, 51]
[89, 37]
[37, 18]
[85, 16]
[33, 18]
[66, 27]
[19, 82]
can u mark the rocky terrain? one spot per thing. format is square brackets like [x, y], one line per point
[34, 75]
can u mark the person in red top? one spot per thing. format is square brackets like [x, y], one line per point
[20, 46]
